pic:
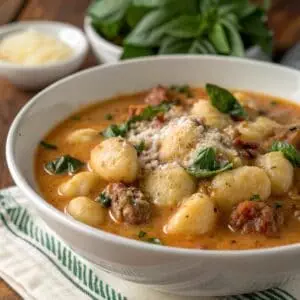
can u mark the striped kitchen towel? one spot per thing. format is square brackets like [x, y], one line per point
[39, 265]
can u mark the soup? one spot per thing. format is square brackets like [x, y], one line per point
[202, 168]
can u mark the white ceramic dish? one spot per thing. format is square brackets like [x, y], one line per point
[35, 77]
[178, 271]
[107, 52]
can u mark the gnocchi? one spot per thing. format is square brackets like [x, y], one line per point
[80, 184]
[231, 187]
[196, 215]
[279, 170]
[258, 130]
[168, 185]
[115, 160]
[84, 135]
[212, 117]
[85, 210]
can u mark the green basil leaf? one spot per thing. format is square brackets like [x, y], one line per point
[116, 130]
[172, 45]
[219, 39]
[104, 200]
[151, 3]
[185, 26]
[206, 165]
[150, 30]
[224, 101]
[135, 14]
[142, 234]
[235, 40]
[48, 145]
[109, 30]
[288, 150]
[255, 197]
[63, 164]
[105, 9]
[130, 51]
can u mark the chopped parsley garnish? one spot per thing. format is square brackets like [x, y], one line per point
[63, 164]
[140, 147]
[225, 102]
[206, 164]
[255, 197]
[108, 117]
[288, 150]
[48, 145]
[104, 200]
[146, 115]
[142, 234]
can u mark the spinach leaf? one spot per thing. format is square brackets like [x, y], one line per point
[63, 164]
[116, 130]
[48, 145]
[206, 165]
[224, 101]
[288, 150]
[146, 115]
[104, 200]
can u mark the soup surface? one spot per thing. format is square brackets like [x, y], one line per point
[187, 167]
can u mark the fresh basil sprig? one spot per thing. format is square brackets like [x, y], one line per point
[63, 164]
[206, 165]
[147, 27]
[146, 115]
[224, 101]
[288, 150]
[104, 200]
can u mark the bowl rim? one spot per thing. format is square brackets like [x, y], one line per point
[70, 223]
[24, 25]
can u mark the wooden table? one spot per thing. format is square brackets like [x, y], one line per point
[284, 19]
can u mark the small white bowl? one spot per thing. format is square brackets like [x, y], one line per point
[107, 52]
[187, 272]
[36, 77]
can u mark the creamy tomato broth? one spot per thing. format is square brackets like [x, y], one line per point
[187, 167]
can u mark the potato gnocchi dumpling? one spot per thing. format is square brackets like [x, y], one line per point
[178, 140]
[168, 185]
[196, 215]
[258, 130]
[86, 210]
[83, 135]
[212, 117]
[231, 187]
[115, 160]
[279, 170]
[80, 184]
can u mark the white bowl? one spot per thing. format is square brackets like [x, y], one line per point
[178, 271]
[35, 77]
[107, 52]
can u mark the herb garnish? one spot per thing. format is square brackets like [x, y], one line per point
[48, 145]
[142, 234]
[175, 26]
[206, 165]
[278, 204]
[146, 115]
[104, 200]
[183, 89]
[288, 150]
[153, 240]
[63, 164]
[140, 147]
[225, 102]
[108, 117]
[255, 197]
